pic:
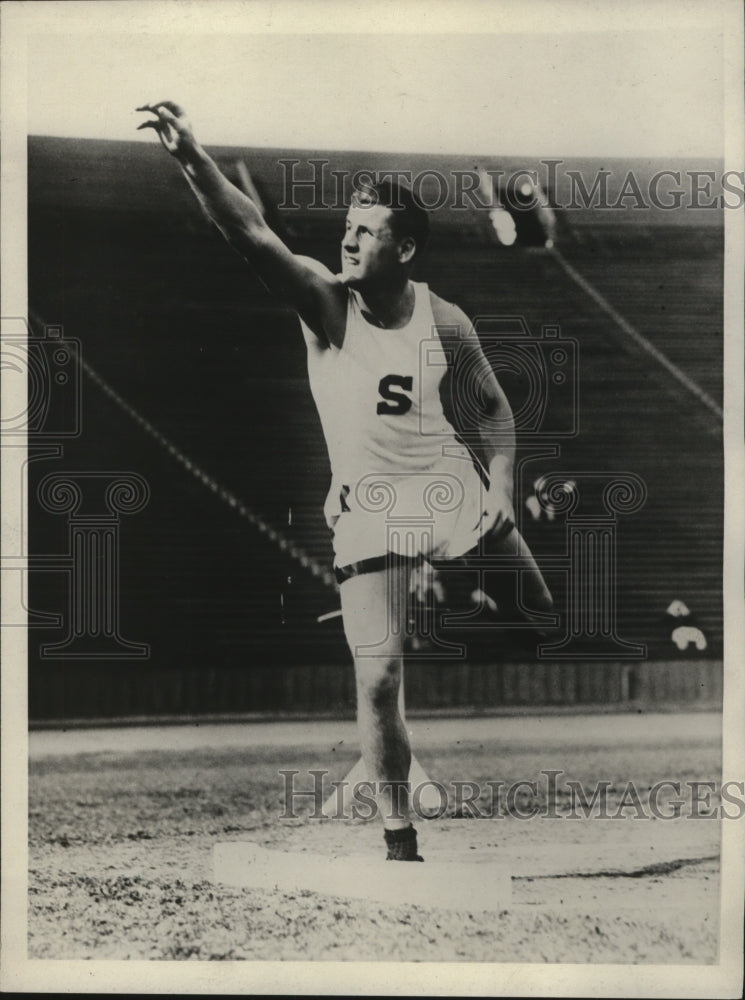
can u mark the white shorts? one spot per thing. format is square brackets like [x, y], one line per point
[436, 514]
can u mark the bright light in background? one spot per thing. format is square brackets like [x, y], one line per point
[634, 93]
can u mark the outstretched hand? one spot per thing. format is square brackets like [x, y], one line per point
[173, 127]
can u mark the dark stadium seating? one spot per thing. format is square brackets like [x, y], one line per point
[172, 319]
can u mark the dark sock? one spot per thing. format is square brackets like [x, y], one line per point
[402, 845]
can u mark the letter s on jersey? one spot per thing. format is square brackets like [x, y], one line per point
[396, 402]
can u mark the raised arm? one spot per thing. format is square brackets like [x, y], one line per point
[306, 286]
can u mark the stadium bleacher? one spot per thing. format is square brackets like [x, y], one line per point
[172, 320]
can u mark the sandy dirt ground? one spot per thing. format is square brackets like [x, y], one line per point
[122, 825]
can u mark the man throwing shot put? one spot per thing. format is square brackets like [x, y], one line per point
[389, 363]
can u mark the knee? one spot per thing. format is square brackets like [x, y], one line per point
[378, 681]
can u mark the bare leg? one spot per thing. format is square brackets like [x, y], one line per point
[374, 611]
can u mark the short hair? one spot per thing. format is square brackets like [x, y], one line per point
[410, 218]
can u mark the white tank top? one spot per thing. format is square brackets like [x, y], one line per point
[378, 397]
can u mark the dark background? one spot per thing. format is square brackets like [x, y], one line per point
[177, 325]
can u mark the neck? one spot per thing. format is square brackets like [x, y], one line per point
[388, 308]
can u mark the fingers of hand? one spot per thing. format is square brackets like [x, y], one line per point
[157, 106]
[164, 115]
[163, 128]
[176, 109]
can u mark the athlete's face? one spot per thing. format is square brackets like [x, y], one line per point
[369, 249]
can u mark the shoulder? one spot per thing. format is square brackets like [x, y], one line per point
[332, 296]
[447, 314]
[457, 333]
[319, 269]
